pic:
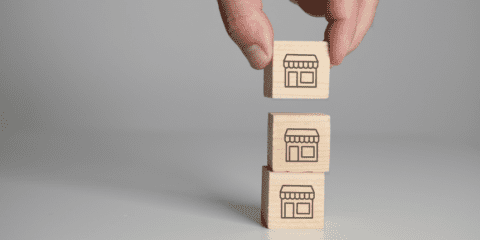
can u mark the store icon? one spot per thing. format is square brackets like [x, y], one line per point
[301, 145]
[297, 201]
[300, 70]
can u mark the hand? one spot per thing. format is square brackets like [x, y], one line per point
[250, 29]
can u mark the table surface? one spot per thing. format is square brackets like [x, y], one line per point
[71, 184]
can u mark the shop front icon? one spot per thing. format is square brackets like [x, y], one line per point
[297, 201]
[300, 70]
[301, 145]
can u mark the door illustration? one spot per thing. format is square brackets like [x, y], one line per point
[292, 79]
[288, 210]
[301, 145]
[300, 70]
[293, 152]
[297, 201]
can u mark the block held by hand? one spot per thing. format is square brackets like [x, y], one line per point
[299, 70]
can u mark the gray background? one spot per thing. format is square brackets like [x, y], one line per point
[143, 120]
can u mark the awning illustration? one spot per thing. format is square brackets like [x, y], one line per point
[301, 135]
[297, 192]
[300, 61]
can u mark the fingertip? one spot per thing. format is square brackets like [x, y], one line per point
[337, 54]
[250, 29]
[257, 58]
[334, 51]
[265, 40]
[335, 60]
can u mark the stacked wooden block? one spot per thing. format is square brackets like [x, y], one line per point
[293, 182]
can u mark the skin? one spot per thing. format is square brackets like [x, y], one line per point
[248, 26]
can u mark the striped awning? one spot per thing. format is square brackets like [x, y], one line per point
[300, 61]
[301, 135]
[297, 192]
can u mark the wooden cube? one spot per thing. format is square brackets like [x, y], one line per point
[298, 142]
[299, 69]
[292, 200]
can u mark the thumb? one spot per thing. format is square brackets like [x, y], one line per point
[248, 26]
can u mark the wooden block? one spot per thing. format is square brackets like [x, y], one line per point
[292, 200]
[299, 69]
[298, 142]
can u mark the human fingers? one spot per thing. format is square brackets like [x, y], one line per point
[342, 20]
[248, 26]
[366, 13]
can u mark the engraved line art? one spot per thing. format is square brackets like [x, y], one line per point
[301, 145]
[300, 70]
[297, 201]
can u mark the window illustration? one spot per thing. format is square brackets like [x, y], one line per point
[300, 70]
[297, 201]
[301, 145]
[306, 77]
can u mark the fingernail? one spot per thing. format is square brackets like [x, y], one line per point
[255, 56]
